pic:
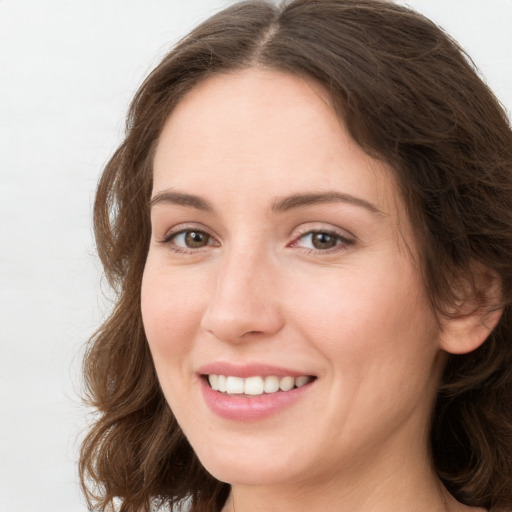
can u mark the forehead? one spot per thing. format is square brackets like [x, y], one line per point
[265, 131]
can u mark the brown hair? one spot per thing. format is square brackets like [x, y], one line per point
[408, 95]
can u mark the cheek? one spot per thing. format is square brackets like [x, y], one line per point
[375, 322]
[380, 339]
[171, 312]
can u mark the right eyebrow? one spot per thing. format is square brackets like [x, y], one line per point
[181, 199]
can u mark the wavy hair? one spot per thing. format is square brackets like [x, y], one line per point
[408, 95]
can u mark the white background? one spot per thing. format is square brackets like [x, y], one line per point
[67, 72]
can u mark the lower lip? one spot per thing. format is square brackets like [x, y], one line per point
[254, 408]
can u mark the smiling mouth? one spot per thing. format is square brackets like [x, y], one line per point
[255, 386]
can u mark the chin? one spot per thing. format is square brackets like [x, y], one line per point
[249, 466]
[247, 473]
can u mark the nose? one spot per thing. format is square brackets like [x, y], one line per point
[244, 301]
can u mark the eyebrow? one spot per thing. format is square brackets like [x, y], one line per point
[281, 205]
[304, 200]
[181, 199]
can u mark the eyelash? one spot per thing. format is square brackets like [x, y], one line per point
[342, 242]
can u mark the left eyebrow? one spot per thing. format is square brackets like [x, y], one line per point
[287, 203]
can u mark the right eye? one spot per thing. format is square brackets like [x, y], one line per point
[189, 239]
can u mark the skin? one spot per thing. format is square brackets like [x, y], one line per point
[354, 315]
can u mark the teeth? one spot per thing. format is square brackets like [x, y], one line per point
[214, 382]
[271, 384]
[255, 385]
[221, 383]
[286, 383]
[300, 381]
[234, 385]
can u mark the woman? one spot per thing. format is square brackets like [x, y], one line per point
[309, 225]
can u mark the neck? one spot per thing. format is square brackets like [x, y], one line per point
[382, 486]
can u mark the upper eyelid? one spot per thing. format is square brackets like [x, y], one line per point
[304, 230]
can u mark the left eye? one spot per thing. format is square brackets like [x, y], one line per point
[320, 240]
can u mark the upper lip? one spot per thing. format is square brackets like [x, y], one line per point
[248, 370]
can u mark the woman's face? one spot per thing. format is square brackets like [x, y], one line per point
[281, 256]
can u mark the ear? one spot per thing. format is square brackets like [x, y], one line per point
[467, 325]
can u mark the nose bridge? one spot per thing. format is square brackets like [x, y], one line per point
[242, 301]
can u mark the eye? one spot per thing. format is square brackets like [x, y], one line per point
[189, 239]
[322, 240]
[192, 239]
